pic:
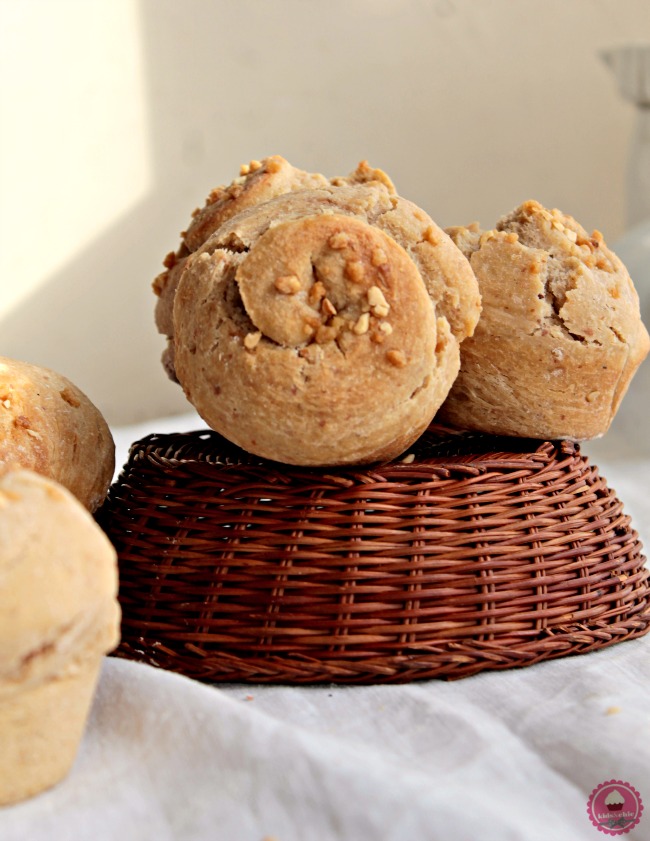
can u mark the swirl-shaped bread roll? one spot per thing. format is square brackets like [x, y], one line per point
[323, 326]
[257, 183]
[560, 336]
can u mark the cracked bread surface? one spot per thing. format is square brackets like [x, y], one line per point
[560, 335]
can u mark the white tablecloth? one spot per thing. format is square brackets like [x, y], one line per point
[509, 755]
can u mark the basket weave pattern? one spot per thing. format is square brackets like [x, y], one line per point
[480, 553]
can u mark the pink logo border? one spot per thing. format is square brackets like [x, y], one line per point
[594, 794]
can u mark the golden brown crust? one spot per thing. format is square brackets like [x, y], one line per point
[446, 273]
[48, 425]
[560, 336]
[258, 183]
[310, 306]
[317, 342]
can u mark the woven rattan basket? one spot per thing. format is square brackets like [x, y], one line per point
[472, 553]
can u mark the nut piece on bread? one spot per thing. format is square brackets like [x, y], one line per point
[560, 336]
[48, 425]
[323, 326]
[58, 616]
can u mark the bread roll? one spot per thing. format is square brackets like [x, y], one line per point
[48, 425]
[58, 617]
[323, 326]
[560, 336]
[257, 183]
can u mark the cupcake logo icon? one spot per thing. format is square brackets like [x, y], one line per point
[615, 807]
[614, 800]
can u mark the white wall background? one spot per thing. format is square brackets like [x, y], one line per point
[119, 116]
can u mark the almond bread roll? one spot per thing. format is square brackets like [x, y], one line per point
[560, 336]
[48, 425]
[323, 326]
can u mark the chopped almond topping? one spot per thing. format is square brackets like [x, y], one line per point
[379, 257]
[244, 169]
[328, 307]
[396, 358]
[557, 225]
[362, 324]
[409, 459]
[170, 260]
[592, 396]
[572, 235]
[376, 297]
[251, 340]
[512, 237]
[287, 284]
[339, 241]
[255, 165]
[430, 236]
[354, 271]
[486, 236]
[386, 327]
[215, 195]
[273, 166]
[70, 398]
[317, 293]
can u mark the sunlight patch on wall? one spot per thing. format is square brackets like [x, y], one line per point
[74, 151]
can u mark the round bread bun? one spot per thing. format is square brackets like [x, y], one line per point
[560, 336]
[323, 326]
[48, 425]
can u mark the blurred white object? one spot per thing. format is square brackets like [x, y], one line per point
[631, 67]
[627, 446]
[634, 250]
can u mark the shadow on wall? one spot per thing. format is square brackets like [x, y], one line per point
[92, 320]
[89, 324]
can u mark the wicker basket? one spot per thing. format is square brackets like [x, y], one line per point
[472, 553]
